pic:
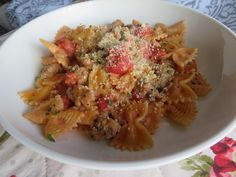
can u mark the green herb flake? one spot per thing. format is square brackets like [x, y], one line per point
[73, 68]
[129, 94]
[122, 34]
[55, 112]
[50, 138]
[164, 43]
[36, 78]
[110, 103]
[83, 56]
[169, 71]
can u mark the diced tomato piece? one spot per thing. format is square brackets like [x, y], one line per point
[66, 101]
[154, 53]
[119, 61]
[71, 78]
[61, 88]
[104, 103]
[67, 46]
[191, 66]
[137, 96]
[143, 31]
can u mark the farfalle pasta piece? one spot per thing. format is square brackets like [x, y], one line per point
[34, 96]
[72, 117]
[98, 81]
[57, 78]
[132, 136]
[182, 113]
[159, 33]
[186, 78]
[143, 110]
[162, 27]
[48, 60]
[123, 84]
[63, 122]
[131, 110]
[56, 127]
[63, 32]
[173, 42]
[180, 91]
[191, 67]
[50, 70]
[183, 56]
[137, 110]
[199, 85]
[177, 29]
[90, 115]
[119, 113]
[59, 54]
[152, 119]
[39, 114]
[67, 120]
[86, 37]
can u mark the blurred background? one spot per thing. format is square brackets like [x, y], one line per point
[15, 13]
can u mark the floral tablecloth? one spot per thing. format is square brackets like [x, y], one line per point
[19, 161]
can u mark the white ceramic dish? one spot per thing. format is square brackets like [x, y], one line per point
[20, 63]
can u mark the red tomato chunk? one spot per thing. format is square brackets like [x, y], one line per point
[71, 78]
[67, 46]
[66, 101]
[119, 61]
[154, 53]
[143, 31]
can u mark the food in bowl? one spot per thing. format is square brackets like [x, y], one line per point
[116, 82]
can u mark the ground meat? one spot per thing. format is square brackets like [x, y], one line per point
[104, 127]
[82, 75]
[57, 104]
[71, 92]
[84, 97]
[141, 89]
[164, 73]
[118, 112]
[154, 95]
[87, 63]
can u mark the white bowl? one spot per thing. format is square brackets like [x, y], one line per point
[20, 63]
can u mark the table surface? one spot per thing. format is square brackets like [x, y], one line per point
[216, 161]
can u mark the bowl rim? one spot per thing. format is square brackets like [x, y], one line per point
[118, 165]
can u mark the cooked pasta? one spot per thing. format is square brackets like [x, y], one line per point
[116, 82]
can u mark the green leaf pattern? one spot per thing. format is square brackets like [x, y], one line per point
[199, 163]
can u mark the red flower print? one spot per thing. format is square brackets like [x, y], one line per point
[219, 148]
[229, 141]
[223, 162]
[13, 176]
